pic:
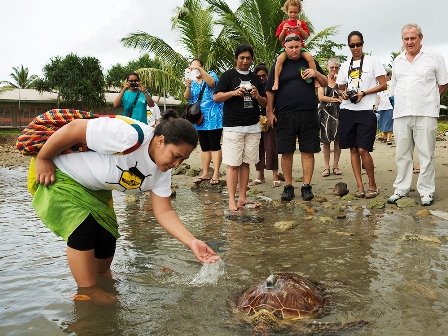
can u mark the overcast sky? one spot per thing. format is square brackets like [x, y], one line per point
[35, 31]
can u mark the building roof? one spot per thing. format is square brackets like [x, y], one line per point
[30, 95]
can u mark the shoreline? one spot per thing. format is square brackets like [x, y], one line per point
[383, 158]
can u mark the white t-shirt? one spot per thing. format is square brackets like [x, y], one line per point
[383, 97]
[100, 169]
[415, 86]
[153, 114]
[371, 69]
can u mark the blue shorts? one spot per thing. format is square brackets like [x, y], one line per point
[357, 129]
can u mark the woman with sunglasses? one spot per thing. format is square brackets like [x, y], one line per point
[328, 111]
[359, 80]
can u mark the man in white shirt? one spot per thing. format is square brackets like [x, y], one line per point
[419, 78]
[153, 114]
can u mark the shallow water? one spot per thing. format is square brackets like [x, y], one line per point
[400, 286]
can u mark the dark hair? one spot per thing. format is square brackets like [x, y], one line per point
[132, 73]
[242, 48]
[261, 67]
[169, 114]
[198, 60]
[355, 33]
[176, 131]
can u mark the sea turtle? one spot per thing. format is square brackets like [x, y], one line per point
[284, 297]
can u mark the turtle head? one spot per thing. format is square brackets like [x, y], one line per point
[270, 281]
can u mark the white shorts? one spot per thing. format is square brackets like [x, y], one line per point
[238, 148]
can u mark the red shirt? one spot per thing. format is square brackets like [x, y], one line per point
[293, 23]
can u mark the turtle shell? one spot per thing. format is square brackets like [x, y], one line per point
[292, 297]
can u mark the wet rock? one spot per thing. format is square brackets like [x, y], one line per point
[406, 202]
[192, 172]
[418, 237]
[252, 219]
[285, 225]
[423, 213]
[319, 199]
[326, 220]
[181, 169]
[349, 197]
[340, 189]
[376, 203]
[327, 205]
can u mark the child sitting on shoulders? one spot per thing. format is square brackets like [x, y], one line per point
[292, 26]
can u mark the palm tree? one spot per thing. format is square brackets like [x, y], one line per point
[21, 79]
[195, 25]
[214, 41]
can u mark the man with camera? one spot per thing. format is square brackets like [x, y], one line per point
[295, 104]
[419, 78]
[134, 98]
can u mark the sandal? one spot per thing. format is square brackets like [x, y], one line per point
[326, 172]
[360, 193]
[416, 171]
[337, 171]
[214, 182]
[389, 143]
[372, 193]
[275, 184]
[257, 182]
[200, 179]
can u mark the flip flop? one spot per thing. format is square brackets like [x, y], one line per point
[276, 184]
[200, 179]
[214, 182]
[360, 193]
[372, 193]
[326, 172]
[337, 171]
[257, 182]
[416, 171]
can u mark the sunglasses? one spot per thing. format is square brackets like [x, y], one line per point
[133, 81]
[334, 67]
[292, 38]
[357, 45]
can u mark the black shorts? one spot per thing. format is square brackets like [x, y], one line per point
[210, 140]
[303, 125]
[357, 129]
[90, 235]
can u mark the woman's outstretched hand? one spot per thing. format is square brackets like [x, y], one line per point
[204, 253]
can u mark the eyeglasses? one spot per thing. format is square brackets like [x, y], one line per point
[292, 38]
[334, 67]
[262, 76]
[357, 45]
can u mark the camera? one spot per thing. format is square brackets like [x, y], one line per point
[247, 86]
[133, 84]
[187, 73]
[352, 96]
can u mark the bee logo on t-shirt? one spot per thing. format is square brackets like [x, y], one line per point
[131, 179]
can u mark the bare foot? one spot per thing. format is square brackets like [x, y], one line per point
[96, 294]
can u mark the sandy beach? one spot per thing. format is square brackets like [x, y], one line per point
[385, 172]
